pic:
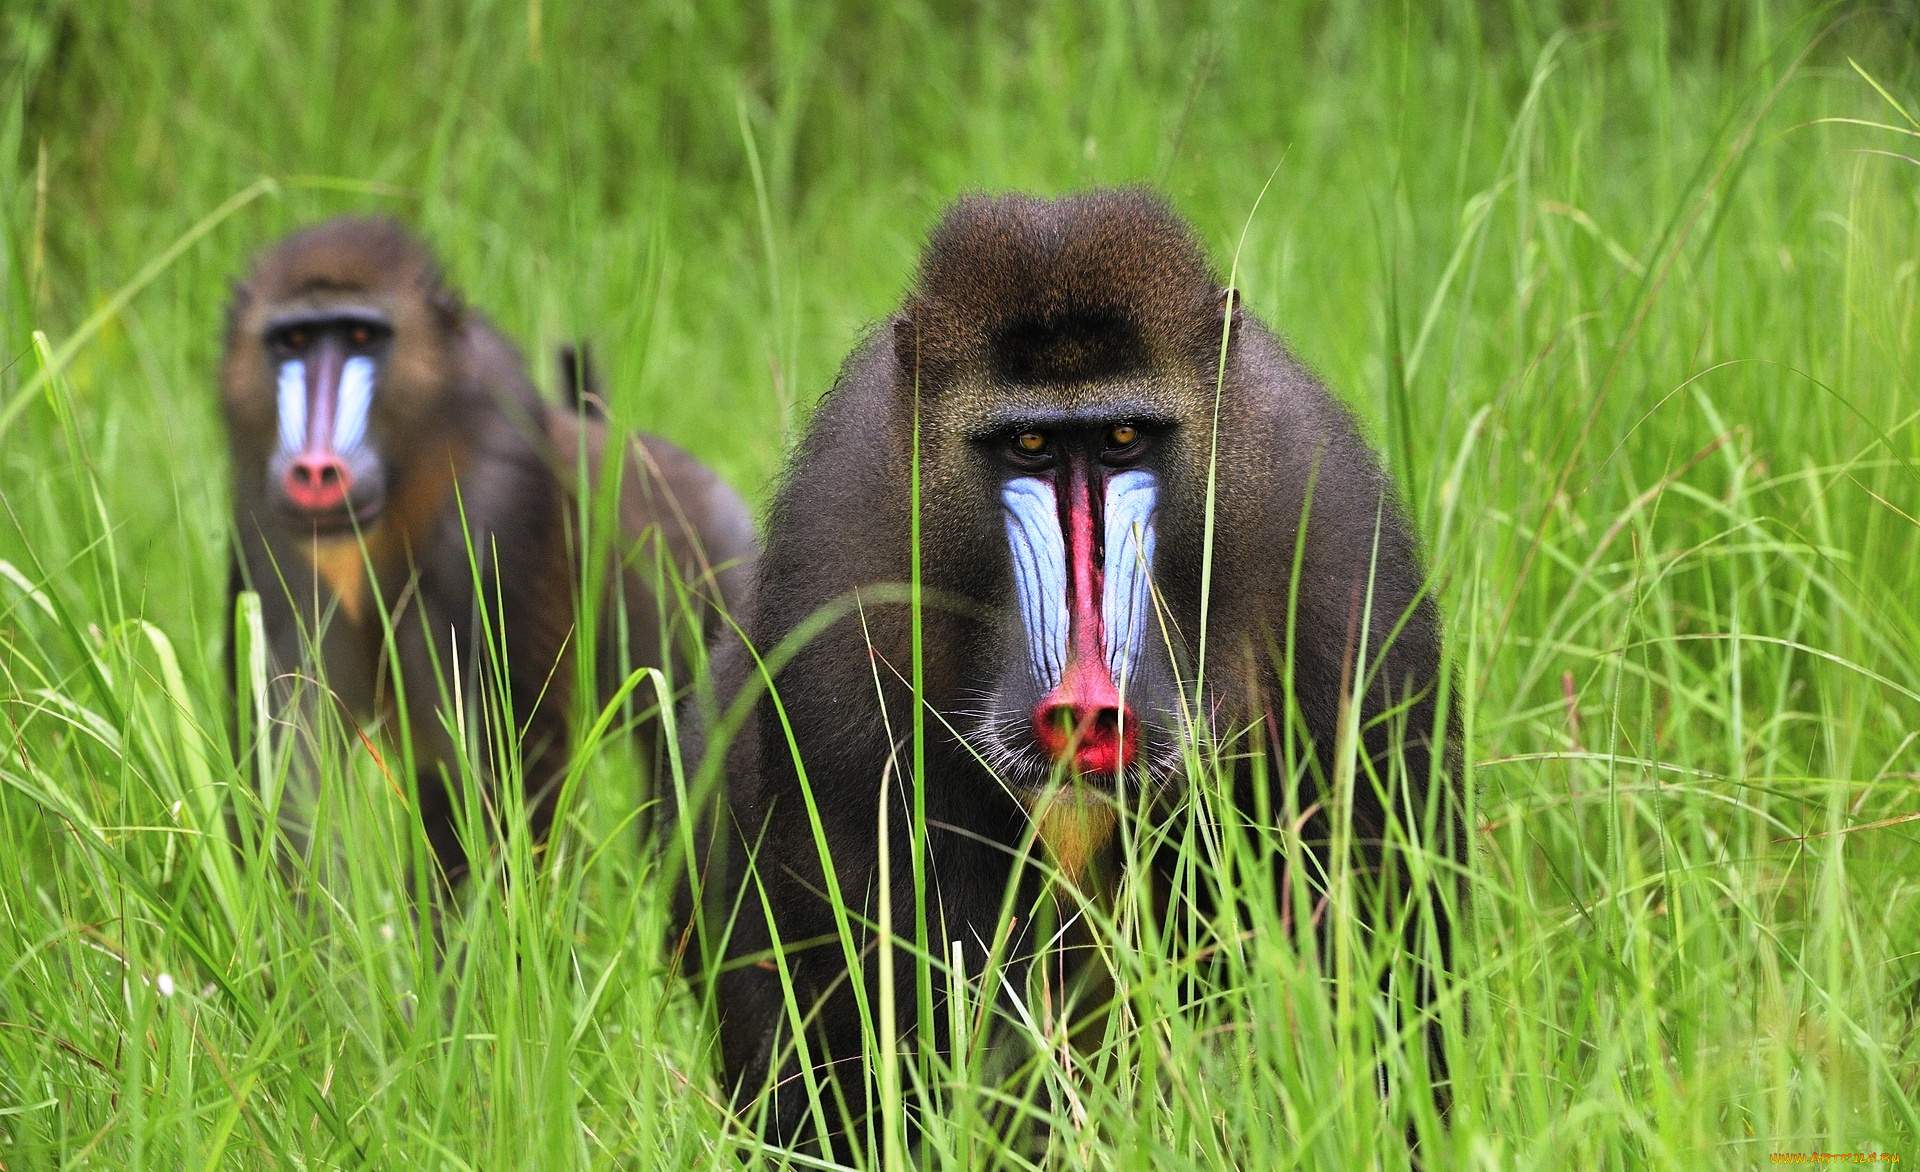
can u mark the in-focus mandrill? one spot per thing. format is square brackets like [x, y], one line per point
[1064, 364]
[381, 430]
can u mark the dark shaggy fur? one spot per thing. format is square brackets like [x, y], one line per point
[1097, 306]
[456, 429]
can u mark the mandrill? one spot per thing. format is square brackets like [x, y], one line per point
[395, 471]
[1117, 471]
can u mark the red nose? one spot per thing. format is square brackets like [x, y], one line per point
[1084, 719]
[317, 481]
[1101, 740]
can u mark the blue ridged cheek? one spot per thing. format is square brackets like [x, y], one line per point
[1039, 552]
[355, 398]
[293, 405]
[1127, 593]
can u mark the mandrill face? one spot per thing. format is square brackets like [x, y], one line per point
[1079, 684]
[339, 344]
[1064, 356]
[1079, 502]
[325, 473]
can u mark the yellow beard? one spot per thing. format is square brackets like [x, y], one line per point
[342, 566]
[1075, 824]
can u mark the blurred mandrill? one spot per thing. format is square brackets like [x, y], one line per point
[380, 430]
[1065, 363]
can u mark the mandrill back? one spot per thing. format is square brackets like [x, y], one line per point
[380, 429]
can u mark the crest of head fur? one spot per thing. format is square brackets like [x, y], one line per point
[1056, 291]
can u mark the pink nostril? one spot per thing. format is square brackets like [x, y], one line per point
[318, 481]
[1101, 738]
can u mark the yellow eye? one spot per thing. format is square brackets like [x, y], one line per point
[1123, 435]
[1031, 442]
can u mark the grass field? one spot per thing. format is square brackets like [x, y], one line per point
[1627, 293]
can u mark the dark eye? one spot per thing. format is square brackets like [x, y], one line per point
[1030, 443]
[296, 339]
[1122, 435]
[360, 336]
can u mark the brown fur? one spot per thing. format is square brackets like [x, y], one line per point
[1093, 307]
[459, 431]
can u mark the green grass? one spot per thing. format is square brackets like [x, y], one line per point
[1637, 330]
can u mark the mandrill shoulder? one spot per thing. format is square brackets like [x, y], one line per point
[1285, 436]
[479, 468]
[840, 516]
[492, 382]
[663, 489]
[1298, 454]
[499, 423]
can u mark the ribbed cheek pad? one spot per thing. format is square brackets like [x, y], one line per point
[293, 405]
[352, 404]
[1039, 554]
[1128, 588]
[1039, 574]
[356, 396]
